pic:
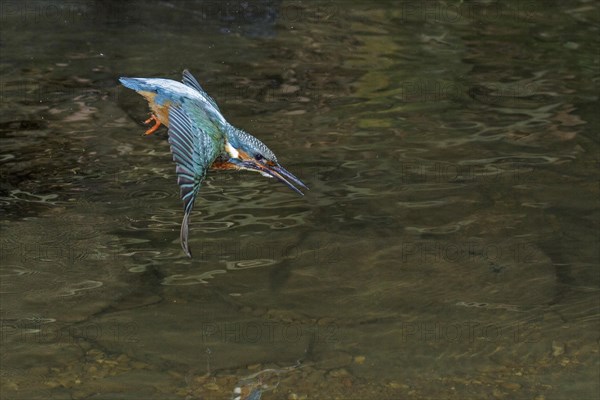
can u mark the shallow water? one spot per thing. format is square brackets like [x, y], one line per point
[447, 247]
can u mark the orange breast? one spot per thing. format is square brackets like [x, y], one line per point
[161, 111]
[223, 164]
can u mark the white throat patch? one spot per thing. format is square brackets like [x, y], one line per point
[231, 150]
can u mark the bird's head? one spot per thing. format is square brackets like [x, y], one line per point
[248, 153]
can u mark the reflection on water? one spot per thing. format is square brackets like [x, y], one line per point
[447, 247]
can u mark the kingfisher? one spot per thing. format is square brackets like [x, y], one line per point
[201, 139]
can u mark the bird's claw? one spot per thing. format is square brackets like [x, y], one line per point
[154, 127]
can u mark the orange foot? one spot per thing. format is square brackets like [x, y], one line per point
[156, 125]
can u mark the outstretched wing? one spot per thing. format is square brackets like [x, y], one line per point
[195, 144]
[189, 80]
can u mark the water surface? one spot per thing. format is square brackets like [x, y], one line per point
[447, 247]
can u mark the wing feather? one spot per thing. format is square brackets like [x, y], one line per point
[189, 80]
[194, 145]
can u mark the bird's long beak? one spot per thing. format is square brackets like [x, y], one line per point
[285, 176]
[278, 172]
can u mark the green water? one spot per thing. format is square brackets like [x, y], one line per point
[447, 248]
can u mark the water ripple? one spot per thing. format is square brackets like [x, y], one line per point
[247, 264]
[186, 280]
[73, 289]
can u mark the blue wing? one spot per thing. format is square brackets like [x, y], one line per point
[189, 80]
[169, 92]
[194, 146]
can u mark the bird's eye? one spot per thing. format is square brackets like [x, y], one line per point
[258, 157]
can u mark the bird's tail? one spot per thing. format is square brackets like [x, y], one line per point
[185, 231]
[138, 84]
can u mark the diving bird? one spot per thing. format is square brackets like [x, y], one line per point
[201, 139]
